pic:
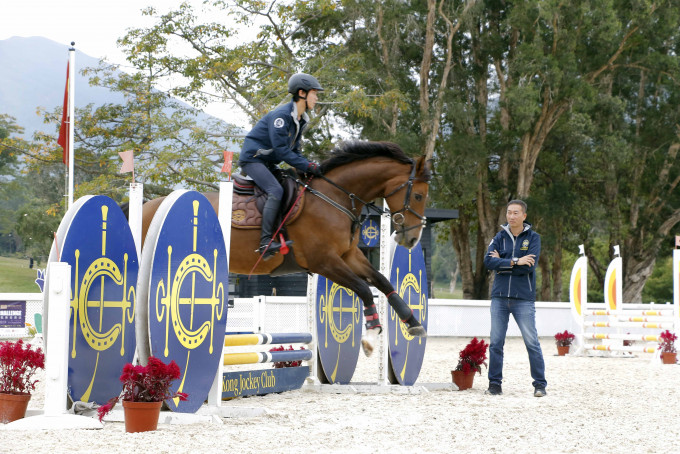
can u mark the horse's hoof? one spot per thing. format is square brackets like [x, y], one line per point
[369, 340]
[367, 347]
[417, 331]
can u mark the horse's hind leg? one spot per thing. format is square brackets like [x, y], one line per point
[335, 269]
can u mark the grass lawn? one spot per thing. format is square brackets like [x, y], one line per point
[16, 276]
[441, 291]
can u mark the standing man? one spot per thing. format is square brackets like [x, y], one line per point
[513, 254]
[276, 138]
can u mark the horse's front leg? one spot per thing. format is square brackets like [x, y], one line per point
[403, 310]
[360, 265]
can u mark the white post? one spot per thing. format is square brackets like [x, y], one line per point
[676, 291]
[312, 284]
[71, 118]
[55, 415]
[135, 215]
[385, 258]
[224, 217]
[578, 296]
[56, 359]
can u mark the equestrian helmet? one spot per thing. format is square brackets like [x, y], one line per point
[302, 81]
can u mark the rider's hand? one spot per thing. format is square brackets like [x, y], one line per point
[314, 169]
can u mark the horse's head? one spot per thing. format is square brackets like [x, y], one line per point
[407, 199]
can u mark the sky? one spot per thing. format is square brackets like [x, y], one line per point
[94, 25]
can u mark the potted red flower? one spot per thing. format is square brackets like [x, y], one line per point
[144, 390]
[667, 347]
[18, 363]
[470, 360]
[563, 341]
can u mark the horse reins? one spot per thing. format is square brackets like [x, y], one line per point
[398, 217]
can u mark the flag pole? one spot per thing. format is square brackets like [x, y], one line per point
[72, 119]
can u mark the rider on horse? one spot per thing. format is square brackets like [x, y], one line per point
[276, 138]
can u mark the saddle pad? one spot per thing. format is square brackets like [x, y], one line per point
[245, 213]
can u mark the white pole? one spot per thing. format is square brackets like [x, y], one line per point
[56, 360]
[71, 119]
[383, 311]
[135, 216]
[312, 284]
[55, 415]
[676, 290]
[224, 216]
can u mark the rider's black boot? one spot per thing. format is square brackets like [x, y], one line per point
[269, 213]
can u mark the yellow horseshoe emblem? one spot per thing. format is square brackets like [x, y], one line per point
[101, 268]
[170, 300]
[188, 337]
[409, 281]
[326, 312]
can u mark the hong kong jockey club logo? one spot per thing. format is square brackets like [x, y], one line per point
[187, 293]
[409, 279]
[101, 251]
[370, 233]
[338, 327]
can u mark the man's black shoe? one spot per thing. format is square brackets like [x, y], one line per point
[539, 391]
[494, 389]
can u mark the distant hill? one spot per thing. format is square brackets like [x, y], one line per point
[33, 74]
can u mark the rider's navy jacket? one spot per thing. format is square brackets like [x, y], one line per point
[276, 138]
[517, 281]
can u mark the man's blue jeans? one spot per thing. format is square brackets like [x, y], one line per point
[524, 313]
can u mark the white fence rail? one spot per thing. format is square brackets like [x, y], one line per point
[447, 317]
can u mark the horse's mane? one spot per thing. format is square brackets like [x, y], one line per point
[348, 152]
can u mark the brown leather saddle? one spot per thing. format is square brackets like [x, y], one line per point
[248, 201]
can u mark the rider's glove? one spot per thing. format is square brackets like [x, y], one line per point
[314, 169]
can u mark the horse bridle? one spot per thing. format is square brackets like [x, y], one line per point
[398, 217]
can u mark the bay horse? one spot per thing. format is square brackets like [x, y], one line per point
[325, 234]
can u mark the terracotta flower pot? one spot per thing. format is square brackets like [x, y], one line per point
[463, 380]
[561, 351]
[668, 358]
[141, 416]
[13, 406]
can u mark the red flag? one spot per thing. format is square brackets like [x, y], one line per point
[227, 162]
[128, 161]
[63, 130]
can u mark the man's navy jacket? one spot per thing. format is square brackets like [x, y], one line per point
[518, 281]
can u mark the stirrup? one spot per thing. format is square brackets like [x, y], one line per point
[269, 252]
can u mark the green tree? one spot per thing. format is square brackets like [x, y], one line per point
[10, 149]
[8, 145]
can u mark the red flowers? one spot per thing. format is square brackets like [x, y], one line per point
[667, 343]
[17, 366]
[564, 339]
[281, 364]
[472, 356]
[150, 383]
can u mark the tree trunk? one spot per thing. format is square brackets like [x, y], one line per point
[461, 243]
[635, 277]
[557, 269]
[454, 278]
[482, 278]
[544, 266]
